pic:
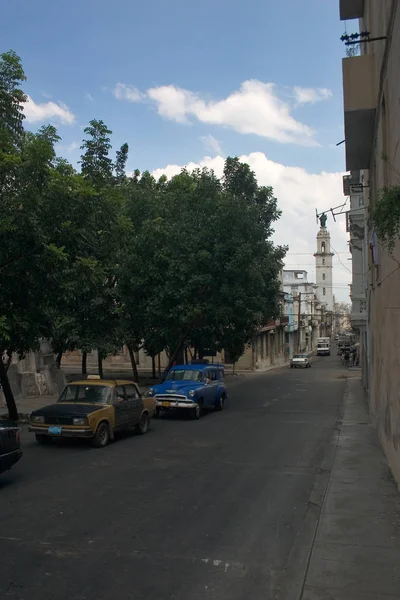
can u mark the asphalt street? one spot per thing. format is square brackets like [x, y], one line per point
[211, 509]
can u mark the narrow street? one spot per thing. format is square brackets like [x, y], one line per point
[194, 509]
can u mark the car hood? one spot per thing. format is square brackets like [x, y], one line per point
[176, 387]
[67, 408]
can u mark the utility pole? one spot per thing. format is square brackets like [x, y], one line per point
[298, 325]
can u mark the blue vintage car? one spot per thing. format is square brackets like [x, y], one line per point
[194, 388]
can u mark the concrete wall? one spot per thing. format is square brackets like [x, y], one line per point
[381, 364]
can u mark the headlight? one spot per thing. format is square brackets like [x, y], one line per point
[37, 419]
[148, 393]
[79, 421]
[191, 393]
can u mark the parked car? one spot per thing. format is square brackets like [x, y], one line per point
[194, 388]
[94, 409]
[10, 444]
[300, 360]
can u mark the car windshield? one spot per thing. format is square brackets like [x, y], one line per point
[100, 394]
[299, 356]
[185, 375]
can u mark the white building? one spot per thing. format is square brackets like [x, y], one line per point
[324, 267]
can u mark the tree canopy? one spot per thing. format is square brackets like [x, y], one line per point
[96, 258]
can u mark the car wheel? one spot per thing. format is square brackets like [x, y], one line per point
[144, 424]
[220, 402]
[196, 412]
[43, 439]
[102, 436]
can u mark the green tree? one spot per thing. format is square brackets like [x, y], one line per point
[96, 164]
[120, 163]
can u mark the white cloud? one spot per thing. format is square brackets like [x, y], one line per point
[299, 193]
[47, 111]
[254, 109]
[68, 148]
[210, 143]
[311, 95]
[122, 91]
[88, 96]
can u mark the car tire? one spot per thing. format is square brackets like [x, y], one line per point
[196, 412]
[144, 424]
[102, 436]
[43, 440]
[220, 402]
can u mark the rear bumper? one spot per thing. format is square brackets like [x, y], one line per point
[65, 432]
[9, 459]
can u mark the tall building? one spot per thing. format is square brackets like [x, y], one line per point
[371, 91]
[324, 267]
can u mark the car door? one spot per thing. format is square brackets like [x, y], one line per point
[211, 387]
[121, 408]
[134, 404]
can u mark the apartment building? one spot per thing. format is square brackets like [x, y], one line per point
[371, 92]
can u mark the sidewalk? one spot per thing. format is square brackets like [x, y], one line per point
[356, 550]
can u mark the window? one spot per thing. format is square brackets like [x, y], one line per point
[323, 247]
[86, 393]
[323, 261]
[120, 391]
[323, 291]
[131, 392]
[323, 276]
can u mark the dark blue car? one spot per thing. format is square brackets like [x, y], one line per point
[194, 388]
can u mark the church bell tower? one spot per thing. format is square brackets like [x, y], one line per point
[324, 266]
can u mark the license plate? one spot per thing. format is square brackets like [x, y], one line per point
[55, 430]
[166, 404]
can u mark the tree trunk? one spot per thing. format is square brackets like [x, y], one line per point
[159, 364]
[153, 367]
[100, 364]
[59, 358]
[84, 363]
[9, 359]
[186, 356]
[134, 365]
[178, 350]
[8, 394]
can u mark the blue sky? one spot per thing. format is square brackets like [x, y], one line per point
[185, 65]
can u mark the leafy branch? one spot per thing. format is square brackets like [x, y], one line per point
[385, 217]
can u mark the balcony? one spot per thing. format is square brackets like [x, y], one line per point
[351, 9]
[359, 98]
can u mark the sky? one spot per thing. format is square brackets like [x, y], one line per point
[189, 83]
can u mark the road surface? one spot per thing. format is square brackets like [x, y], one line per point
[210, 509]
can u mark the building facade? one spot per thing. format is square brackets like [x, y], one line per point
[371, 92]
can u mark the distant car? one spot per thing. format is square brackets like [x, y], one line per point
[94, 409]
[300, 360]
[10, 444]
[194, 388]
